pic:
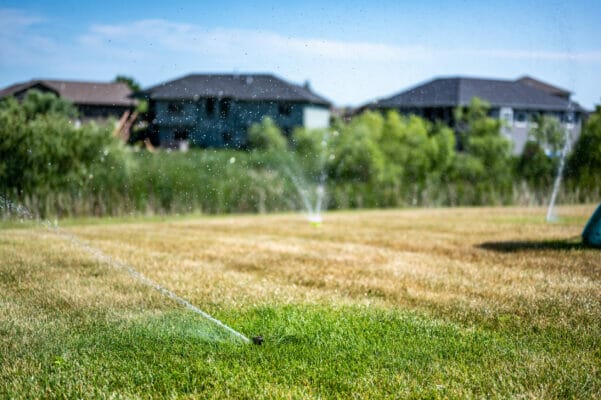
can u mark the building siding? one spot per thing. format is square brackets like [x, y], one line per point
[518, 131]
[228, 123]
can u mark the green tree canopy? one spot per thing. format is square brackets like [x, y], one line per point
[486, 159]
[356, 154]
[313, 149]
[36, 103]
[539, 161]
[42, 151]
[266, 135]
[584, 164]
[135, 86]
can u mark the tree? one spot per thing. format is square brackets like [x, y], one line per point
[548, 133]
[486, 159]
[417, 152]
[356, 153]
[313, 149]
[584, 164]
[38, 103]
[539, 160]
[135, 87]
[43, 153]
[129, 81]
[267, 136]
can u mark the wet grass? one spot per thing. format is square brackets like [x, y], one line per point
[309, 351]
[398, 304]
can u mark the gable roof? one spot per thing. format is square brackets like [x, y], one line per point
[79, 93]
[251, 87]
[547, 87]
[459, 91]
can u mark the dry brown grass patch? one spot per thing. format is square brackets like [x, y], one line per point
[483, 259]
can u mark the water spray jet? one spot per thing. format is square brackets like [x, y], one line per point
[23, 212]
[313, 203]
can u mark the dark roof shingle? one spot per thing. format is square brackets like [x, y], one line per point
[88, 93]
[251, 87]
[459, 91]
[551, 89]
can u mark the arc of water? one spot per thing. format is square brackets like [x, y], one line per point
[100, 255]
[324, 174]
[557, 183]
[301, 186]
[302, 192]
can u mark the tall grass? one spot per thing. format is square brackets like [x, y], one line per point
[228, 181]
[199, 181]
[56, 169]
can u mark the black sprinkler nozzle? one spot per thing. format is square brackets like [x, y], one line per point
[258, 340]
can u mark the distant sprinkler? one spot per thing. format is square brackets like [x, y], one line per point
[315, 220]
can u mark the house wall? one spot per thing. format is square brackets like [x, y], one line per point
[101, 112]
[316, 117]
[517, 123]
[227, 124]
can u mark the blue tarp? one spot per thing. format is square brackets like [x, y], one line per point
[591, 235]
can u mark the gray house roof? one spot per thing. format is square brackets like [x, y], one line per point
[88, 93]
[551, 89]
[250, 87]
[459, 91]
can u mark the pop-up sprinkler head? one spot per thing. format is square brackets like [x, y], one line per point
[315, 221]
[258, 340]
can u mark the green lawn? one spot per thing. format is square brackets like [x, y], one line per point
[453, 303]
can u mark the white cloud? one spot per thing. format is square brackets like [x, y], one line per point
[583, 56]
[348, 72]
[12, 20]
[19, 45]
[180, 37]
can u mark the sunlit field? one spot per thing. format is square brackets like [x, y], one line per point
[437, 303]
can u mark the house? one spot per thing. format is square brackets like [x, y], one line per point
[216, 110]
[94, 100]
[516, 102]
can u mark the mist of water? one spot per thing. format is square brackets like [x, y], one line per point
[6, 206]
[312, 201]
[303, 189]
[562, 161]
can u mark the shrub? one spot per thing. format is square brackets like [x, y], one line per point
[584, 164]
[45, 158]
[266, 135]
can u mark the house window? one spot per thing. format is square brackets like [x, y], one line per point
[175, 108]
[506, 115]
[210, 106]
[224, 107]
[570, 119]
[284, 109]
[181, 134]
[534, 115]
[521, 119]
[520, 116]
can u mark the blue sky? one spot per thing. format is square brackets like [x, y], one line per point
[351, 52]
